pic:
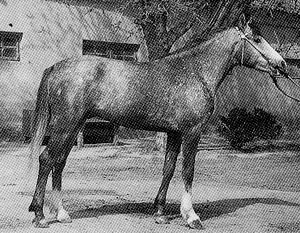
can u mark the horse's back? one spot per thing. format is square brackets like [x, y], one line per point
[127, 93]
[96, 82]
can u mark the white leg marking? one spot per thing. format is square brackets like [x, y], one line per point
[186, 208]
[63, 216]
[56, 206]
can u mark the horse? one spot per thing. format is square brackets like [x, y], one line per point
[175, 94]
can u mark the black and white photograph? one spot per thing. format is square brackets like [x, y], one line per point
[150, 116]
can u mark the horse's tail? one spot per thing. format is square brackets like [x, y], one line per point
[40, 122]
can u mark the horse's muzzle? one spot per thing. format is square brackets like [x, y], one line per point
[279, 70]
[282, 68]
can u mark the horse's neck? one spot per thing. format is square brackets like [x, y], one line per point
[215, 57]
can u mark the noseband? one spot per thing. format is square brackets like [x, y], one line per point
[245, 39]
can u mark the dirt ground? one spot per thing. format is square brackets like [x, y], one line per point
[111, 189]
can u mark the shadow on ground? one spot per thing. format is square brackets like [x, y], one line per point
[206, 211]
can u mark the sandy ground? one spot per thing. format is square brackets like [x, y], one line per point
[111, 189]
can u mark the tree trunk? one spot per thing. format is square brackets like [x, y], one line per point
[226, 15]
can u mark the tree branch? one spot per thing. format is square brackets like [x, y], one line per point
[176, 32]
[226, 15]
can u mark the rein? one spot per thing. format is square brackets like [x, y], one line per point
[285, 75]
[274, 78]
[244, 37]
[282, 91]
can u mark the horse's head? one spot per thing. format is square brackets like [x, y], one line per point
[255, 52]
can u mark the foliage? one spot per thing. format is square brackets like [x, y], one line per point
[173, 8]
[242, 126]
[291, 6]
[164, 21]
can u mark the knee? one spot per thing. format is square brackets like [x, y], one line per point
[44, 156]
[45, 159]
[58, 167]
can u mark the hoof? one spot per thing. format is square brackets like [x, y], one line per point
[40, 223]
[161, 219]
[196, 224]
[65, 220]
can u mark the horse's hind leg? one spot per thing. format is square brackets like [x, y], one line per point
[55, 200]
[56, 197]
[55, 205]
[46, 162]
[172, 151]
[55, 153]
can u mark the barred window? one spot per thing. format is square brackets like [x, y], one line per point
[119, 51]
[10, 45]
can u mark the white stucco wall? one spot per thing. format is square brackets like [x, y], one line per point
[52, 31]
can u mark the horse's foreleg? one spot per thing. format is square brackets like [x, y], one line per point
[172, 151]
[186, 208]
[46, 162]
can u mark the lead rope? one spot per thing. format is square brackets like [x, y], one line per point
[243, 37]
[291, 79]
[243, 49]
[279, 88]
[283, 92]
[48, 89]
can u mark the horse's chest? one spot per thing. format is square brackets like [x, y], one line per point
[181, 106]
[197, 99]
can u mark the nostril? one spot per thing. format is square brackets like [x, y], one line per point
[283, 65]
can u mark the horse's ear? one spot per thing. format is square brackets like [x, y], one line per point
[242, 22]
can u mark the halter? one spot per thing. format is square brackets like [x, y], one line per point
[244, 38]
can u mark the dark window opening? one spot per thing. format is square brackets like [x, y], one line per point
[119, 51]
[10, 45]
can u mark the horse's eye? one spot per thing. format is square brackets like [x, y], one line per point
[257, 40]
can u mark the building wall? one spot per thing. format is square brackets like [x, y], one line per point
[52, 31]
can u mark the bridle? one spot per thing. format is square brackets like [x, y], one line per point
[281, 72]
[245, 39]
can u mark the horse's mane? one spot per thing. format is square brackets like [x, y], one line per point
[219, 24]
[201, 43]
[196, 42]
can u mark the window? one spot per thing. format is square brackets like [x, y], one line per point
[10, 45]
[119, 51]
